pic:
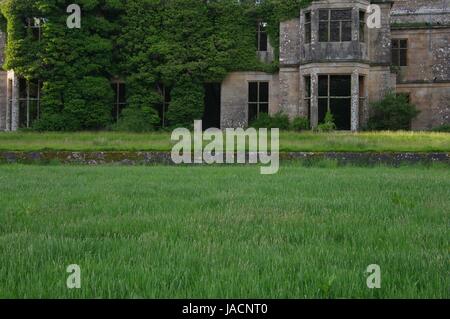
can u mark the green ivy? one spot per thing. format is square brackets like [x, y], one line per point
[148, 43]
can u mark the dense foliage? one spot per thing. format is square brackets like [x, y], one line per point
[150, 44]
[393, 113]
[278, 120]
[300, 123]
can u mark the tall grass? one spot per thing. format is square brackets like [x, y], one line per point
[223, 232]
[289, 141]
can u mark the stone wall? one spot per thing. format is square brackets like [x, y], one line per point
[290, 91]
[433, 100]
[431, 12]
[290, 42]
[428, 55]
[234, 100]
[380, 39]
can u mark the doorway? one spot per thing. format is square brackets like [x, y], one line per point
[211, 116]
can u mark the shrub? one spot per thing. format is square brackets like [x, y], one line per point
[443, 128]
[279, 120]
[393, 113]
[300, 124]
[328, 124]
[135, 119]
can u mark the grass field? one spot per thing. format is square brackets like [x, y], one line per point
[289, 141]
[213, 232]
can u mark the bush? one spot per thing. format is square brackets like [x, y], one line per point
[279, 120]
[135, 119]
[393, 113]
[300, 124]
[328, 124]
[443, 128]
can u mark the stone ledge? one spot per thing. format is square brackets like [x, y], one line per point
[164, 158]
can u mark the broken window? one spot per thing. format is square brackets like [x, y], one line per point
[261, 37]
[308, 27]
[335, 25]
[335, 96]
[120, 100]
[400, 52]
[258, 99]
[29, 102]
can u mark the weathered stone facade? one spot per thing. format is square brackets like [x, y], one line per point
[425, 24]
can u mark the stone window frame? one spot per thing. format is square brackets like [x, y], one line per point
[262, 37]
[329, 21]
[28, 99]
[398, 51]
[329, 97]
[119, 104]
[258, 103]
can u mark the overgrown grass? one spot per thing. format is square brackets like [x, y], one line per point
[213, 232]
[289, 141]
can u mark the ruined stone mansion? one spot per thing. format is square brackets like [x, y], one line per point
[329, 60]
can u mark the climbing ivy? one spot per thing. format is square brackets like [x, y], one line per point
[151, 44]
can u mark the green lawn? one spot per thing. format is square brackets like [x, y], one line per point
[213, 232]
[311, 142]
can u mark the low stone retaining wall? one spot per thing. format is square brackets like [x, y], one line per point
[147, 158]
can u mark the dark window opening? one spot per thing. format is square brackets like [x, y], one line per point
[335, 25]
[120, 100]
[34, 26]
[29, 102]
[211, 117]
[258, 99]
[362, 26]
[163, 107]
[335, 97]
[400, 52]
[308, 27]
[308, 95]
[362, 98]
[261, 37]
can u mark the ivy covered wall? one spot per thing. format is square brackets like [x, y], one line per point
[151, 44]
